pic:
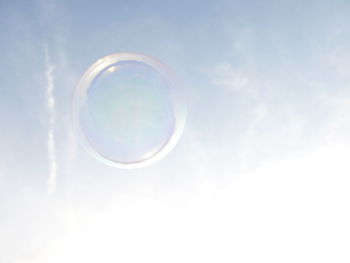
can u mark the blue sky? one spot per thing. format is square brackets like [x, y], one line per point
[260, 174]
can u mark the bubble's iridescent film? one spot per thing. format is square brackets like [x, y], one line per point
[128, 111]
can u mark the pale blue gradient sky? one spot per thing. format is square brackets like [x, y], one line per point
[264, 151]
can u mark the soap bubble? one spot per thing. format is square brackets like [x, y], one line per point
[128, 110]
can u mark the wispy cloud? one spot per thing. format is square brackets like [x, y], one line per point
[51, 144]
[227, 76]
[224, 75]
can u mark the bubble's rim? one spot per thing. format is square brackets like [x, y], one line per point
[179, 108]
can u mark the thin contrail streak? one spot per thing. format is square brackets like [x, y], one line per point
[51, 143]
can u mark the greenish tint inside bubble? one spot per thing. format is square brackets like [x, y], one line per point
[128, 110]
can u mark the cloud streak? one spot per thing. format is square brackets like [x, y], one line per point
[51, 144]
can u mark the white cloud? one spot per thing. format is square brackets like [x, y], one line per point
[51, 143]
[291, 210]
[226, 76]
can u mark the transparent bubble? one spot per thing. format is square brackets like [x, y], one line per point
[128, 111]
